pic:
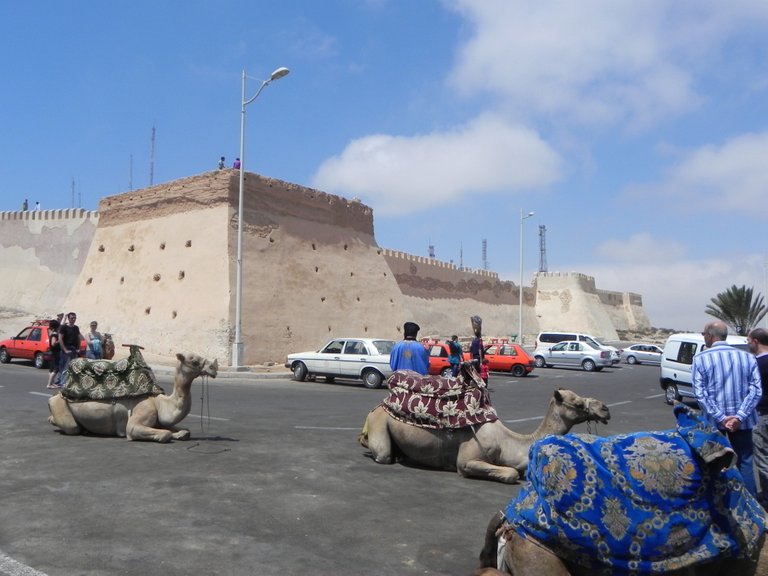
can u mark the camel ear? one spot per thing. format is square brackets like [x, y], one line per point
[180, 357]
[558, 396]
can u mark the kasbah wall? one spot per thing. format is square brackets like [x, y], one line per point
[157, 267]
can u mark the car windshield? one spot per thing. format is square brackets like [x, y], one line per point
[384, 346]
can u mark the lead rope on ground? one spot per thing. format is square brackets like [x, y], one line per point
[205, 418]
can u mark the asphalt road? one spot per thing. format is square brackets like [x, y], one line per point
[273, 481]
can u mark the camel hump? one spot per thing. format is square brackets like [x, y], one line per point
[106, 380]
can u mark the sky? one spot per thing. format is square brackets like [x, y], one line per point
[637, 132]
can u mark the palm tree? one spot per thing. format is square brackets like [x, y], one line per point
[735, 308]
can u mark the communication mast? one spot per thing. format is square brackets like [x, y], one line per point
[432, 251]
[542, 248]
[485, 254]
[152, 158]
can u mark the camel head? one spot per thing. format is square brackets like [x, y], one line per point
[468, 374]
[576, 409]
[193, 366]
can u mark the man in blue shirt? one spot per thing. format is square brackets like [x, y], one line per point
[726, 383]
[757, 340]
[410, 354]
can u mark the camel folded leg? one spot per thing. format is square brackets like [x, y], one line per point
[482, 469]
[62, 417]
[375, 436]
[140, 425]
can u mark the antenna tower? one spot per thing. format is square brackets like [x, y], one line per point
[152, 158]
[542, 248]
[432, 251]
[485, 254]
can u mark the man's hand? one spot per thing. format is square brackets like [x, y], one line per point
[732, 423]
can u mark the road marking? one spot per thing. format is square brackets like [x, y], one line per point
[619, 403]
[41, 394]
[653, 396]
[9, 567]
[326, 428]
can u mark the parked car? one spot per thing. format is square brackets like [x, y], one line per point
[438, 358]
[31, 344]
[365, 359]
[555, 337]
[677, 363]
[509, 358]
[572, 353]
[642, 354]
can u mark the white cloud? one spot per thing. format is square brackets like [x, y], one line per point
[641, 248]
[398, 174]
[731, 177]
[595, 61]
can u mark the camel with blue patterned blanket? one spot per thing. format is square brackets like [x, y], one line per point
[486, 449]
[668, 502]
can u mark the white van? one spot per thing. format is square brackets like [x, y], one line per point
[676, 361]
[545, 338]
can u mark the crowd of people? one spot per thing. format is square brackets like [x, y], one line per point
[66, 341]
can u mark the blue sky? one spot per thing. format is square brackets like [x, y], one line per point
[636, 131]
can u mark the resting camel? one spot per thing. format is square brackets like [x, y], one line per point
[666, 502]
[489, 450]
[148, 417]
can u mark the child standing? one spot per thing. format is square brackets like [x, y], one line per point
[484, 370]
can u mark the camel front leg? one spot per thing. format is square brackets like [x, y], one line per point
[471, 463]
[376, 438]
[179, 433]
[61, 416]
[141, 422]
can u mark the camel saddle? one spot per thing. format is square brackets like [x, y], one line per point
[437, 402]
[643, 503]
[106, 380]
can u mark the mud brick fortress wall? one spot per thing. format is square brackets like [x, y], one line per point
[157, 267]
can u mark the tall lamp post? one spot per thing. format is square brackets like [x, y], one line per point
[237, 345]
[520, 325]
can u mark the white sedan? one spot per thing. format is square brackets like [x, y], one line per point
[572, 353]
[642, 354]
[365, 359]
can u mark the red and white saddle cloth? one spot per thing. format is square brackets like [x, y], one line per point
[437, 402]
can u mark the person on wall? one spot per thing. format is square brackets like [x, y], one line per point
[409, 353]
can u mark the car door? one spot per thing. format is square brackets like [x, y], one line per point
[558, 354]
[506, 358]
[26, 343]
[495, 362]
[574, 353]
[328, 361]
[352, 358]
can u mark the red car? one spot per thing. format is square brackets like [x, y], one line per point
[438, 357]
[509, 357]
[31, 344]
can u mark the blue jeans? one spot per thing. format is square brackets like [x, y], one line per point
[741, 440]
[455, 369]
[64, 360]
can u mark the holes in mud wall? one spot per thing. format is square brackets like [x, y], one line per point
[322, 298]
[385, 274]
[188, 244]
[272, 240]
[101, 248]
[174, 314]
[351, 273]
[122, 279]
[156, 277]
[365, 328]
[329, 328]
[147, 310]
[181, 274]
[313, 246]
[345, 246]
[358, 298]
[317, 269]
[131, 248]
[162, 245]
[89, 282]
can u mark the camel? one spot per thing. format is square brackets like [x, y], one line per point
[488, 451]
[668, 502]
[148, 417]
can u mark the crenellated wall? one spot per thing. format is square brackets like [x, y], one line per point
[157, 267]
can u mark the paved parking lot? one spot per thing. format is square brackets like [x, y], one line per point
[272, 482]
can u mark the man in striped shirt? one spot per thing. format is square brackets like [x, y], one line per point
[726, 382]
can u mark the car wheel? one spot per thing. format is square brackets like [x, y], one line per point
[300, 371]
[631, 360]
[446, 372]
[4, 357]
[372, 379]
[518, 371]
[39, 360]
[671, 395]
[539, 361]
[588, 365]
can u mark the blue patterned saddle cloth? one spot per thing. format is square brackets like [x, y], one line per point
[643, 503]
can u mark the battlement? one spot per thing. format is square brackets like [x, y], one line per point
[437, 263]
[78, 214]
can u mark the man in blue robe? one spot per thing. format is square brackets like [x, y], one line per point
[409, 353]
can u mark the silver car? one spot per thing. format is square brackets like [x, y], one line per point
[572, 353]
[365, 359]
[642, 354]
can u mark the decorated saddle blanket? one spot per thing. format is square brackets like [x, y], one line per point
[437, 402]
[643, 503]
[105, 380]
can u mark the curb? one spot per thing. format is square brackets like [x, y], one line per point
[245, 374]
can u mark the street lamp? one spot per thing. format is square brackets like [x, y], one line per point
[237, 345]
[520, 325]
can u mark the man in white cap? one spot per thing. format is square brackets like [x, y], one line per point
[409, 353]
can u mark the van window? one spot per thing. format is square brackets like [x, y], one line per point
[555, 337]
[686, 352]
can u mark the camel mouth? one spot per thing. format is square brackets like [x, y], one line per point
[211, 369]
[598, 412]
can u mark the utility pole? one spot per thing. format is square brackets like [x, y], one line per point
[152, 158]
